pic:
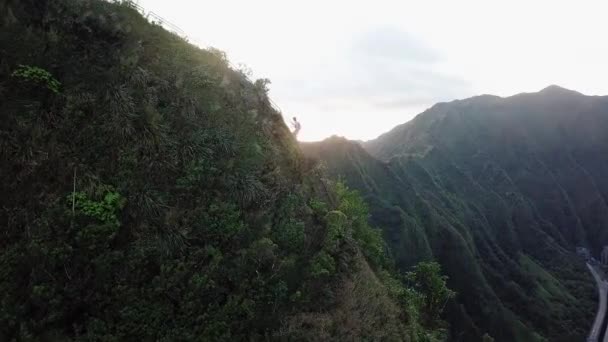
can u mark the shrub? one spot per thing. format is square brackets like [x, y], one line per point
[38, 76]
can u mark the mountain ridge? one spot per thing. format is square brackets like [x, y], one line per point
[512, 185]
[152, 192]
[551, 98]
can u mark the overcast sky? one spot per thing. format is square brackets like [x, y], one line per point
[359, 68]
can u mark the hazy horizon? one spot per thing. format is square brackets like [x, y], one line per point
[388, 61]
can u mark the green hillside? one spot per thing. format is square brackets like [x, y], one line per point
[499, 191]
[150, 192]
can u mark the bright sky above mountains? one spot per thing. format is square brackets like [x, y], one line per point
[359, 68]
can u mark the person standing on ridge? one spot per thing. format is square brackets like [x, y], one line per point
[296, 126]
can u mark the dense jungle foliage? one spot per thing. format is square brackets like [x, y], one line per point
[499, 191]
[151, 192]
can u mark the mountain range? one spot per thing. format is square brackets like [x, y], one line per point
[150, 191]
[500, 191]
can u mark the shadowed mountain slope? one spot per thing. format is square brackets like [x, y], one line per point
[500, 191]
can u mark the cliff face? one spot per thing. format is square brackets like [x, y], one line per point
[151, 192]
[500, 191]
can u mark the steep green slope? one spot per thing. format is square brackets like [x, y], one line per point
[151, 192]
[550, 145]
[500, 191]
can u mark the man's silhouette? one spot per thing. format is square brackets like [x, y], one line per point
[296, 126]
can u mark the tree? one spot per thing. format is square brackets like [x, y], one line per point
[261, 85]
[427, 279]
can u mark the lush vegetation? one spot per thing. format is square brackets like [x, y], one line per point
[151, 192]
[499, 191]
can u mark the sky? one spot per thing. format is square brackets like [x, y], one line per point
[358, 68]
